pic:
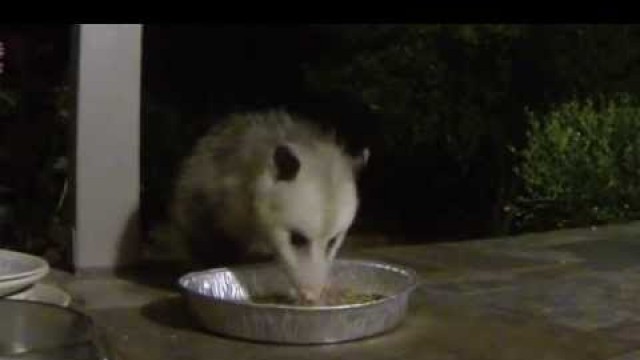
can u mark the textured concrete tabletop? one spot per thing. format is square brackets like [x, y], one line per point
[571, 294]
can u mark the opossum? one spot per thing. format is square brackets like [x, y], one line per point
[269, 184]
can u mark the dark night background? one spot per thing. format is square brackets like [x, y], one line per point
[442, 107]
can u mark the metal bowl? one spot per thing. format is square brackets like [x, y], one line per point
[30, 330]
[220, 300]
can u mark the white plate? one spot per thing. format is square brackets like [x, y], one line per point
[15, 265]
[45, 293]
[14, 285]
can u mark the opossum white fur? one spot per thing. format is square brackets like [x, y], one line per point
[268, 183]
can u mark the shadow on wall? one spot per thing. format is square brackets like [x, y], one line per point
[133, 263]
[129, 248]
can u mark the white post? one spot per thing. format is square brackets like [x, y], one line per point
[107, 156]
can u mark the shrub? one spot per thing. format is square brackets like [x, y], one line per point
[581, 165]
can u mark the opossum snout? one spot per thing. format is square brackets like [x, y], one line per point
[310, 296]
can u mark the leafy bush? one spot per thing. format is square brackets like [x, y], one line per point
[430, 82]
[581, 165]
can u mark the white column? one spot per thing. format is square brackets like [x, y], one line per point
[108, 146]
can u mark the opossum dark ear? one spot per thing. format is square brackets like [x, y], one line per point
[287, 163]
[361, 160]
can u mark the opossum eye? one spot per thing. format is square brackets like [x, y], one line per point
[332, 243]
[298, 240]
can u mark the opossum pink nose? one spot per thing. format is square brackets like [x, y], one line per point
[309, 295]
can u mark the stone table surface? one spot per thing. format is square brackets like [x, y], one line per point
[571, 294]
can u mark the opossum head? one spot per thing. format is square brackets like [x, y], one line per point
[307, 201]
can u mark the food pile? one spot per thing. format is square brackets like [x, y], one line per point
[334, 297]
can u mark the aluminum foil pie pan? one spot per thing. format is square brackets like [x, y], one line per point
[221, 300]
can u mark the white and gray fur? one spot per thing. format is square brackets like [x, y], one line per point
[268, 183]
